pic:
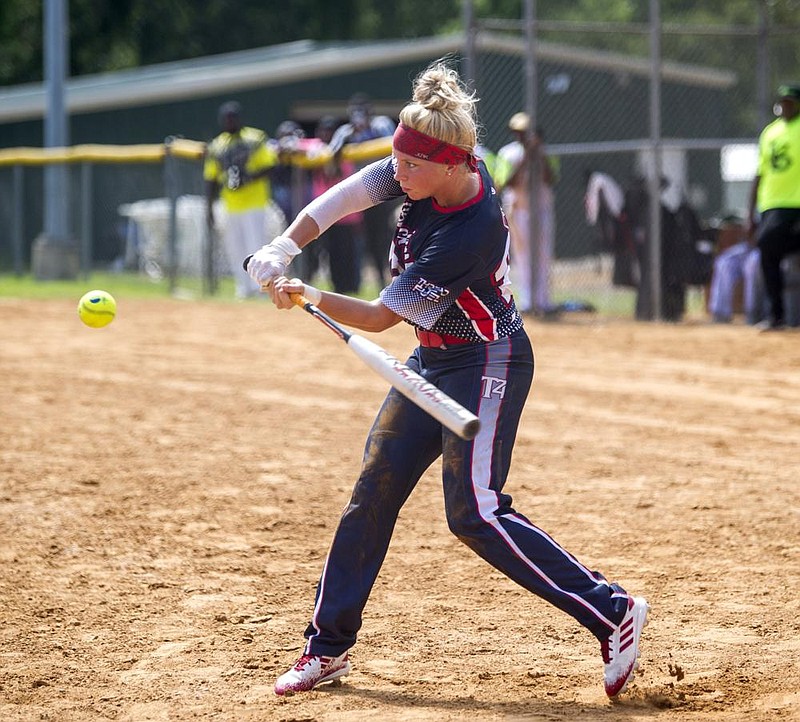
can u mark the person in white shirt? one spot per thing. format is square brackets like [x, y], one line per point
[513, 162]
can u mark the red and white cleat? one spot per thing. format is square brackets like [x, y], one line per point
[621, 650]
[311, 670]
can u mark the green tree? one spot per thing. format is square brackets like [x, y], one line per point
[107, 35]
[20, 42]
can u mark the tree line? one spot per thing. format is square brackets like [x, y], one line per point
[109, 35]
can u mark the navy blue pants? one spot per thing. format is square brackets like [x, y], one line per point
[492, 380]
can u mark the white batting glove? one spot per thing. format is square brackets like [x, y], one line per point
[271, 260]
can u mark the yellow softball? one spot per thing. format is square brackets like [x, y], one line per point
[97, 308]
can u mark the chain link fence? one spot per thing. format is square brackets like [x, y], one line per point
[118, 207]
[593, 99]
[142, 209]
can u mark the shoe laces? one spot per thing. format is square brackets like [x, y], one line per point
[307, 659]
[605, 650]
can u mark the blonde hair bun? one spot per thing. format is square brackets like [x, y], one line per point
[442, 107]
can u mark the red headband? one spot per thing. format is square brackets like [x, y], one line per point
[412, 142]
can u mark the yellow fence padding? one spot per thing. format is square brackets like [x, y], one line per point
[179, 147]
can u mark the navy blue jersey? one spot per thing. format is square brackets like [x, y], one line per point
[450, 264]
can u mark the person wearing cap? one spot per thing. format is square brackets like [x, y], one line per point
[236, 166]
[774, 210]
[511, 176]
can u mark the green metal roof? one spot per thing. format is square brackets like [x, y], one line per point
[302, 60]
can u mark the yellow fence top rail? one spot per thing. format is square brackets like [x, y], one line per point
[180, 147]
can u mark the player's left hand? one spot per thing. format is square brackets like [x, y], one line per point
[270, 261]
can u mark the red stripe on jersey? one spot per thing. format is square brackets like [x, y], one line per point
[482, 321]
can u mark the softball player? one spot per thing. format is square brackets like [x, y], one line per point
[449, 261]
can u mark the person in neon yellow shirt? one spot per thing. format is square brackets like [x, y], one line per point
[775, 195]
[238, 162]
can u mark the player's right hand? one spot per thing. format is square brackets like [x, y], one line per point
[271, 260]
[284, 288]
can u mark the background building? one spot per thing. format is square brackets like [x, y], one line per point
[584, 97]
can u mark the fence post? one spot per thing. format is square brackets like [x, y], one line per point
[210, 278]
[470, 67]
[763, 89]
[535, 162]
[87, 240]
[171, 188]
[17, 231]
[654, 185]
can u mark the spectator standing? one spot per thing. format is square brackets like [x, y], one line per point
[604, 206]
[512, 173]
[364, 125]
[342, 240]
[291, 185]
[673, 285]
[775, 196]
[237, 164]
[288, 138]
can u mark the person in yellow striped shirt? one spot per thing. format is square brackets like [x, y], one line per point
[236, 169]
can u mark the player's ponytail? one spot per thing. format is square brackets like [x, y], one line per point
[442, 107]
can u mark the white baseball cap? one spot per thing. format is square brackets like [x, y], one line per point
[519, 122]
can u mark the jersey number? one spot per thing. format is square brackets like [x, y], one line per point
[780, 159]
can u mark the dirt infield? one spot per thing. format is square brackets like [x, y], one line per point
[169, 486]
